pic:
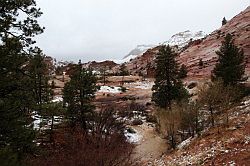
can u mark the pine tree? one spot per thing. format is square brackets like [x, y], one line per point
[16, 98]
[38, 72]
[103, 72]
[201, 63]
[168, 86]
[123, 72]
[230, 67]
[77, 95]
[224, 21]
[183, 72]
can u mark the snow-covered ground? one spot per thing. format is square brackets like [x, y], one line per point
[110, 89]
[141, 85]
[42, 123]
[38, 119]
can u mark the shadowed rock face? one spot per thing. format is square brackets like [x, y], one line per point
[201, 49]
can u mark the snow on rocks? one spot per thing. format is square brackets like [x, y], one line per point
[57, 99]
[141, 85]
[183, 38]
[145, 85]
[184, 143]
[133, 137]
[110, 89]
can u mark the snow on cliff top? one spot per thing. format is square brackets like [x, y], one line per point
[183, 38]
[180, 39]
[139, 50]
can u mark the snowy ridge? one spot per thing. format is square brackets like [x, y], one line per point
[139, 50]
[183, 38]
[127, 59]
[180, 39]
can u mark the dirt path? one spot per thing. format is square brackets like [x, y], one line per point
[151, 146]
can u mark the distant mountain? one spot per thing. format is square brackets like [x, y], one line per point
[183, 38]
[139, 50]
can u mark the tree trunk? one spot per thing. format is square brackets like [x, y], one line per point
[212, 115]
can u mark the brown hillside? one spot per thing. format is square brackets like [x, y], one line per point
[239, 27]
[203, 49]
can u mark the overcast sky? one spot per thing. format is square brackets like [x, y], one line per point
[109, 29]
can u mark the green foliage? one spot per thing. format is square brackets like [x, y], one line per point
[183, 72]
[224, 21]
[231, 67]
[123, 70]
[123, 89]
[16, 95]
[77, 95]
[8, 157]
[38, 72]
[167, 86]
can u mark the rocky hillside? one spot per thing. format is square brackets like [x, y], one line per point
[196, 47]
[99, 66]
[225, 146]
[239, 27]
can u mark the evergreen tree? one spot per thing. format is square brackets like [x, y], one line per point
[77, 95]
[183, 72]
[123, 72]
[224, 21]
[201, 63]
[230, 67]
[16, 98]
[168, 86]
[38, 71]
[103, 72]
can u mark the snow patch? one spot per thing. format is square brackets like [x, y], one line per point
[145, 85]
[133, 137]
[110, 89]
[184, 143]
[57, 99]
[127, 59]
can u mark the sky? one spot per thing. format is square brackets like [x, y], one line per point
[110, 29]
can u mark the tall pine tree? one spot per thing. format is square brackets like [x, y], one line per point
[230, 67]
[168, 86]
[78, 93]
[18, 25]
[38, 72]
[123, 72]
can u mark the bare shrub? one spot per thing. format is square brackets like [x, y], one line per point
[104, 145]
[179, 123]
[217, 99]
